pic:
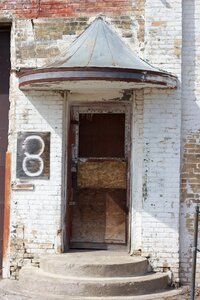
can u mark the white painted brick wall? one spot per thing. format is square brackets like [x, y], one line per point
[163, 34]
[37, 213]
[160, 220]
[162, 129]
[190, 120]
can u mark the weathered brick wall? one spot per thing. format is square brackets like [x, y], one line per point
[153, 30]
[190, 197]
[162, 133]
[37, 42]
[36, 215]
[190, 175]
[160, 216]
[33, 9]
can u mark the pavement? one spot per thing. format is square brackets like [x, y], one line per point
[10, 290]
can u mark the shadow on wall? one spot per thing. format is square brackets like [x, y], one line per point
[43, 112]
[161, 175]
[190, 175]
[166, 3]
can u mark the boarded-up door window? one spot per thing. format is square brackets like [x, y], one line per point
[101, 135]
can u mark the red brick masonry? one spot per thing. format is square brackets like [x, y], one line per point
[28, 9]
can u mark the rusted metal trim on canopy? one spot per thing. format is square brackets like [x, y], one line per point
[80, 74]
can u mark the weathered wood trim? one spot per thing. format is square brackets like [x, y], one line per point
[6, 232]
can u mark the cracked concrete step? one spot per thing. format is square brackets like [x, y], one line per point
[95, 264]
[37, 280]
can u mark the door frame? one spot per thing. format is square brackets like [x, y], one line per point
[5, 205]
[96, 107]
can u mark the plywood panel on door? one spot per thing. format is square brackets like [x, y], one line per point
[99, 216]
[102, 174]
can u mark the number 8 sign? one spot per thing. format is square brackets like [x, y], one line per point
[33, 155]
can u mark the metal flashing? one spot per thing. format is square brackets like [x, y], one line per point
[97, 54]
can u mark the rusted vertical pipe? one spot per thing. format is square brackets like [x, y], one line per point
[194, 253]
[6, 230]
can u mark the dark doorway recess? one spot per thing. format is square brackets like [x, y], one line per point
[97, 179]
[4, 109]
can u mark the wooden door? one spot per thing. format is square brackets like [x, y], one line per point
[98, 179]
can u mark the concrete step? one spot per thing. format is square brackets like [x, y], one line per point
[13, 290]
[95, 264]
[53, 284]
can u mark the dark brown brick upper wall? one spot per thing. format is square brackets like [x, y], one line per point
[63, 8]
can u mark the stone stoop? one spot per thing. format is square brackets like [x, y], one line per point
[91, 274]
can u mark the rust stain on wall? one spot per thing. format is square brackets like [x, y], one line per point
[6, 233]
[159, 23]
[177, 47]
[102, 174]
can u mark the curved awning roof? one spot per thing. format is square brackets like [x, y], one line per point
[97, 55]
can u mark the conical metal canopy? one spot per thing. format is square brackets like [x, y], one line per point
[98, 46]
[98, 54]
